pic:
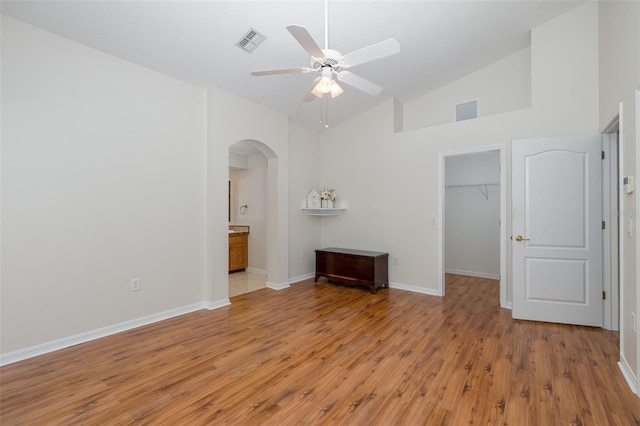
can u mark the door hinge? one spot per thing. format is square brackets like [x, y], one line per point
[602, 154]
[604, 225]
[604, 295]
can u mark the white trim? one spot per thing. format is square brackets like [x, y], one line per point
[217, 304]
[503, 216]
[414, 289]
[299, 278]
[278, 286]
[65, 342]
[611, 234]
[628, 375]
[613, 123]
[440, 249]
[256, 271]
[637, 144]
[473, 274]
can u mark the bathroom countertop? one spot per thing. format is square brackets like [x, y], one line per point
[238, 230]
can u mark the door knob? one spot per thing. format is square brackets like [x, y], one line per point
[519, 238]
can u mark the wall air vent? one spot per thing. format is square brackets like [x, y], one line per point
[250, 41]
[467, 110]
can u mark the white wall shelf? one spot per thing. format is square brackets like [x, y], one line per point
[324, 212]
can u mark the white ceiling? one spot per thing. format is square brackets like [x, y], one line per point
[194, 41]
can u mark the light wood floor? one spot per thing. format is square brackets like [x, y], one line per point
[319, 353]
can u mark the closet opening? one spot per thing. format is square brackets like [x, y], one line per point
[472, 217]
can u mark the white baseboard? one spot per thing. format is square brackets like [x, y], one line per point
[65, 342]
[217, 304]
[256, 271]
[301, 278]
[627, 372]
[278, 286]
[415, 289]
[473, 274]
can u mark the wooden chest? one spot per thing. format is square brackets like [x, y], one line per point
[354, 267]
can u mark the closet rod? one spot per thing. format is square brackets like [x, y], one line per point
[470, 184]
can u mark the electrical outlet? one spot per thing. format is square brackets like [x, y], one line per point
[301, 254]
[396, 261]
[135, 284]
[633, 321]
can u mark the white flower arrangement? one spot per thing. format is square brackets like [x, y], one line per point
[328, 194]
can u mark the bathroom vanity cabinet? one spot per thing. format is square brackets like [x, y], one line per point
[238, 248]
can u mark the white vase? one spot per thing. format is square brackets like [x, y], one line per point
[325, 204]
[330, 204]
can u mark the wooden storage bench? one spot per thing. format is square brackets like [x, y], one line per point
[354, 267]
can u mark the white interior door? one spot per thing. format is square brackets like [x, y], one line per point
[557, 230]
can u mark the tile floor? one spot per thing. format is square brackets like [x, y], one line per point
[245, 282]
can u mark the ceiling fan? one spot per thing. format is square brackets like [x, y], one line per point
[331, 63]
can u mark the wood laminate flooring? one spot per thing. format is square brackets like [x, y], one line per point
[320, 353]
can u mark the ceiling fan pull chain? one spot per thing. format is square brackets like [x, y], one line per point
[326, 110]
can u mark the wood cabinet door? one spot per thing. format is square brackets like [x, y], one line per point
[238, 252]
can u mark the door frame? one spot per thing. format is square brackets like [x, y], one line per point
[637, 129]
[612, 236]
[503, 219]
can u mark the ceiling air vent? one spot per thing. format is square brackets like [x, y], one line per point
[250, 41]
[467, 110]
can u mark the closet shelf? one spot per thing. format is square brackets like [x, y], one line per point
[481, 186]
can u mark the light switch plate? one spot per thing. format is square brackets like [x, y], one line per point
[628, 184]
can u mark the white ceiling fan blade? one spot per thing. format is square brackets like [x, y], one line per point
[359, 83]
[306, 41]
[282, 71]
[310, 96]
[371, 53]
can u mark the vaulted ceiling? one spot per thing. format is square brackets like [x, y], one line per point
[194, 41]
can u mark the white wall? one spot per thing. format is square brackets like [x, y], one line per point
[472, 214]
[391, 179]
[304, 175]
[103, 180]
[619, 37]
[112, 172]
[268, 130]
[500, 87]
[238, 161]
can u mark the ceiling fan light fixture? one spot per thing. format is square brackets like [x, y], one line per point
[336, 90]
[327, 84]
[324, 85]
[316, 91]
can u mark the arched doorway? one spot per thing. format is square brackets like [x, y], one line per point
[248, 211]
[264, 181]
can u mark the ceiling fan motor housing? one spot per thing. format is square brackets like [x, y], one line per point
[332, 58]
